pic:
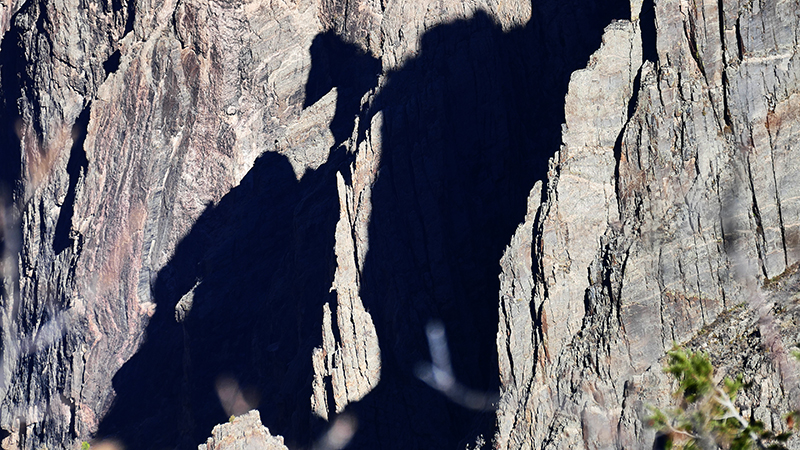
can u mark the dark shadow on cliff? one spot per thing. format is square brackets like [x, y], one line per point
[260, 264]
[77, 163]
[257, 267]
[12, 62]
[468, 127]
[12, 82]
[469, 124]
[647, 23]
[348, 69]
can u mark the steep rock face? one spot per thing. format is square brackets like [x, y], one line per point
[685, 213]
[279, 196]
[48, 73]
[174, 126]
[276, 193]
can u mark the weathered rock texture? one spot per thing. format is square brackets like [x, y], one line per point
[280, 196]
[210, 191]
[670, 202]
[352, 362]
[244, 432]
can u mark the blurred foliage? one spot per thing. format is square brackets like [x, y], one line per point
[705, 417]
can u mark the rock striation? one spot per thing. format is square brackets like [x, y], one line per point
[668, 206]
[351, 361]
[274, 198]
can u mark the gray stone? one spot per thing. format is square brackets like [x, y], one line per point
[670, 213]
[662, 241]
[244, 432]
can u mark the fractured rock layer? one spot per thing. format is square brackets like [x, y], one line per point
[691, 210]
[281, 195]
[181, 166]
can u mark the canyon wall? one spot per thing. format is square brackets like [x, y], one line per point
[209, 207]
[670, 204]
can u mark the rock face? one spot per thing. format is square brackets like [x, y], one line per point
[668, 204]
[280, 196]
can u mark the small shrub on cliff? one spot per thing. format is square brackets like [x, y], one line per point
[706, 417]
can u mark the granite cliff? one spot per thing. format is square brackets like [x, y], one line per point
[215, 206]
[661, 214]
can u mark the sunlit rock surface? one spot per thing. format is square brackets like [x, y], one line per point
[243, 433]
[668, 206]
[209, 207]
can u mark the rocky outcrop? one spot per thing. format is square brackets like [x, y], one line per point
[351, 361]
[668, 205]
[244, 432]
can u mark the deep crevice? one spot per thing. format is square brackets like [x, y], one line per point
[726, 110]
[130, 17]
[12, 70]
[76, 166]
[690, 31]
[23, 432]
[721, 20]
[112, 63]
[726, 113]
[330, 398]
[647, 24]
[334, 308]
[632, 103]
[759, 232]
[634, 100]
[739, 41]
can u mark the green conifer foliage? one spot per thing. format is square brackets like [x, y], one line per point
[706, 417]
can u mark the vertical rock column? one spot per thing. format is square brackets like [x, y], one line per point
[348, 365]
[544, 311]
